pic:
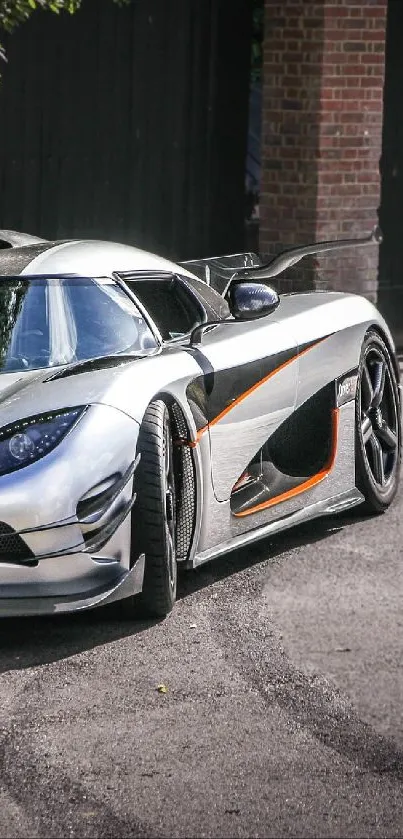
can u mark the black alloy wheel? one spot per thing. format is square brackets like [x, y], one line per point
[154, 514]
[378, 425]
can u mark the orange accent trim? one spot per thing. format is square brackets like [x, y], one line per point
[190, 444]
[311, 482]
[200, 433]
[253, 388]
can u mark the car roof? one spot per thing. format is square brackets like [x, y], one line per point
[84, 257]
[95, 258]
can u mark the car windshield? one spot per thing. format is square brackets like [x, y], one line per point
[48, 322]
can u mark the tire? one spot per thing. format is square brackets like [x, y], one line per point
[154, 514]
[378, 426]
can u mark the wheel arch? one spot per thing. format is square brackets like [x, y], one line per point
[378, 494]
[186, 469]
[376, 327]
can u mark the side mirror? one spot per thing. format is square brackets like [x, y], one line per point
[247, 301]
[250, 300]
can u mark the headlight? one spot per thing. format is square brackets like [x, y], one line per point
[30, 439]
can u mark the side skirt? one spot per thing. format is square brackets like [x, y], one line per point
[336, 504]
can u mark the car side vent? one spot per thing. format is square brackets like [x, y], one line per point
[186, 486]
[91, 365]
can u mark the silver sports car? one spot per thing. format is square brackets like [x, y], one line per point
[154, 415]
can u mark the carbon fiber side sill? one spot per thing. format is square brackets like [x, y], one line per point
[336, 504]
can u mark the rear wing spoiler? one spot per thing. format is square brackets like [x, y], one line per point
[220, 271]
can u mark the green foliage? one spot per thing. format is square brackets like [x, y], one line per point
[14, 12]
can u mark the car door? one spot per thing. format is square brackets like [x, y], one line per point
[247, 389]
[248, 375]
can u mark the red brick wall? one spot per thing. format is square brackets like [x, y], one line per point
[321, 135]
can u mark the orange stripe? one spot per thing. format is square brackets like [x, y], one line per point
[311, 482]
[253, 388]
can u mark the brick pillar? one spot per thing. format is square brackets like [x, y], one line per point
[321, 132]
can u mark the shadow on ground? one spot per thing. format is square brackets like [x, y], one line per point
[266, 549]
[34, 641]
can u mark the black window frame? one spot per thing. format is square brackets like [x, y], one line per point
[206, 311]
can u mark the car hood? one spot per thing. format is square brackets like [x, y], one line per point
[127, 383]
[32, 392]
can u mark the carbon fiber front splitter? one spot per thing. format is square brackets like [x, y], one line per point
[130, 583]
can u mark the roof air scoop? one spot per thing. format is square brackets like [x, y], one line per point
[14, 239]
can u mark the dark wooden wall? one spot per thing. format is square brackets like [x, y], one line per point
[129, 124]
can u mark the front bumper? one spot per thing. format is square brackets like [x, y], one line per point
[71, 512]
[128, 584]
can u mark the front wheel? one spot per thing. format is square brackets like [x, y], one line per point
[378, 429]
[154, 514]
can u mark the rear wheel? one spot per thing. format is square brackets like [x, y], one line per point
[378, 431]
[154, 515]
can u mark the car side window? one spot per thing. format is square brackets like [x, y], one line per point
[173, 308]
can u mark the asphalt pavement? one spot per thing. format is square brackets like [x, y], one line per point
[279, 711]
